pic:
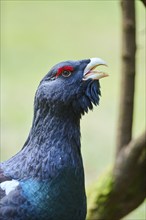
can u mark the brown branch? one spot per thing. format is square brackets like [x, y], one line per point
[129, 175]
[128, 74]
[123, 188]
[129, 158]
[144, 2]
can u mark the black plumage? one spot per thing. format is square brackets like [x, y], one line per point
[45, 180]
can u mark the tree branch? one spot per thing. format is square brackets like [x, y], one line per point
[132, 151]
[144, 2]
[128, 74]
[121, 189]
[129, 159]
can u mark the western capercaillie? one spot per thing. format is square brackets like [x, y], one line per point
[45, 180]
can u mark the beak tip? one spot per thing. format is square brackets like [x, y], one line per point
[98, 61]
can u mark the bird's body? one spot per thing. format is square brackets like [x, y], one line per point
[45, 180]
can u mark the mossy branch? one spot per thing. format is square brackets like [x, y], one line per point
[122, 188]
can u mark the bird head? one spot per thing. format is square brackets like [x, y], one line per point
[73, 84]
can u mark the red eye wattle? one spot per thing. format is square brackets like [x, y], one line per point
[64, 69]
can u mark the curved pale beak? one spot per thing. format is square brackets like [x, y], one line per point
[91, 73]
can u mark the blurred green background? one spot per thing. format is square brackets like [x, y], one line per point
[38, 34]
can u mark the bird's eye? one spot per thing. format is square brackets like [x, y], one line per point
[66, 73]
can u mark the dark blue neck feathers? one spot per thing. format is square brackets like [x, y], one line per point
[53, 144]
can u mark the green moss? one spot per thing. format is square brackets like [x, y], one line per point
[103, 187]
